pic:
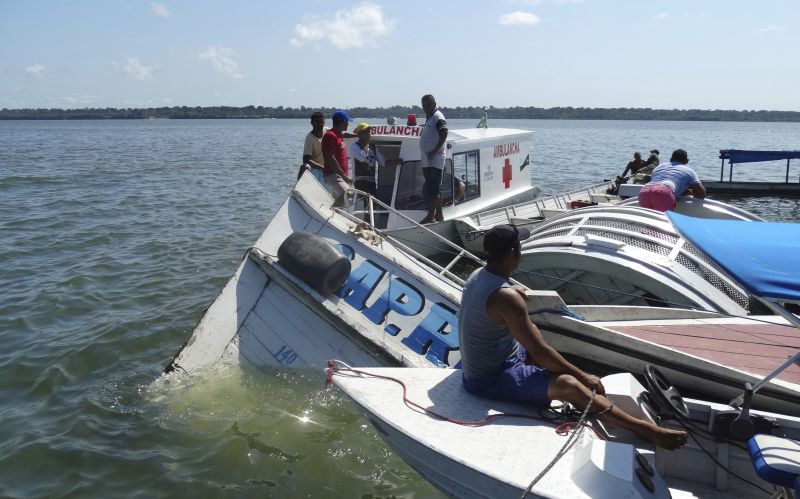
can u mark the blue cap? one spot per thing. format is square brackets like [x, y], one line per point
[340, 115]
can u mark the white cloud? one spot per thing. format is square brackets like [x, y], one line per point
[662, 15]
[82, 100]
[770, 29]
[525, 2]
[160, 9]
[567, 1]
[35, 70]
[221, 59]
[519, 18]
[135, 69]
[348, 28]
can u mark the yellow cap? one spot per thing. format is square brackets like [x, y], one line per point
[361, 127]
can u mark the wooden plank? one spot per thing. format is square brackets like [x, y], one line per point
[752, 348]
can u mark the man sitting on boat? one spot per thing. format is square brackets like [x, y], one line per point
[634, 166]
[505, 357]
[669, 181]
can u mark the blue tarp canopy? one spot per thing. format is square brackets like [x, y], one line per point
[764, 257]
[740, 156]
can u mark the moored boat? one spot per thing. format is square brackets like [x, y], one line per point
[474, 447]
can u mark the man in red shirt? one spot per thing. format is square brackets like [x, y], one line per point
[335, 154]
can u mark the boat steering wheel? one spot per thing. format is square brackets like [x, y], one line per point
[664, 393]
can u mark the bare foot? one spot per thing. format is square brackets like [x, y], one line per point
[665, 438]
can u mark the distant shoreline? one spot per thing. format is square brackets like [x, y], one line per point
[400, 112]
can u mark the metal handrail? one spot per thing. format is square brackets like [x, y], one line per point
[370, 202]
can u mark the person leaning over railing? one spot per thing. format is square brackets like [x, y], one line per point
[670, 180]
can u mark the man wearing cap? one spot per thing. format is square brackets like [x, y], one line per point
[653, 160]
[335, 156]
[366, 159]
[432, 155]
[669, 181]
[505, 357]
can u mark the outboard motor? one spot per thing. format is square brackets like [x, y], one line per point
[614, 189]
[314, 261]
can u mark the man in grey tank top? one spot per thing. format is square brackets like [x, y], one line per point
[505, 357]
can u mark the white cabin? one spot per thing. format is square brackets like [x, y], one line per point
[493, 163]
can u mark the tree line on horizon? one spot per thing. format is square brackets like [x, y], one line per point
[471, 112]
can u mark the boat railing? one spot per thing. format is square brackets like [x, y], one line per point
[740, 213]
[370, 201]
[535, 207]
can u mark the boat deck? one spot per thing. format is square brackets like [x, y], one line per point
[757, 348]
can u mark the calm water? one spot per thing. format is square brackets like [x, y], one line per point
[115, 236]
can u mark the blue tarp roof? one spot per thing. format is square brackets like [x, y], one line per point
[764, 257]
[741, 156]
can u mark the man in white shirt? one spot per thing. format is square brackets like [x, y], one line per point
[432, 155]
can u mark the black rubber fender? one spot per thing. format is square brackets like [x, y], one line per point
[314, 261]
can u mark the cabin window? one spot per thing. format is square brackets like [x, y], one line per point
[409, 187]
[391, 154]
[466, 170]
[447, 183]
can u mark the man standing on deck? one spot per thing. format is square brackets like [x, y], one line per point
[432, 154]
[669, 181]
[505, 357]
[335, 156]
[312, 148]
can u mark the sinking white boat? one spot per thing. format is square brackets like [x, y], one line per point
[393, 307]
[516, 456]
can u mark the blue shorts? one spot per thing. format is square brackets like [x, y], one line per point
[433, 183]
[517, 382]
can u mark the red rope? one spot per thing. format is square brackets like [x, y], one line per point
[562, 429]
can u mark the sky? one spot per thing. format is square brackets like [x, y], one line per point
[666, 54]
